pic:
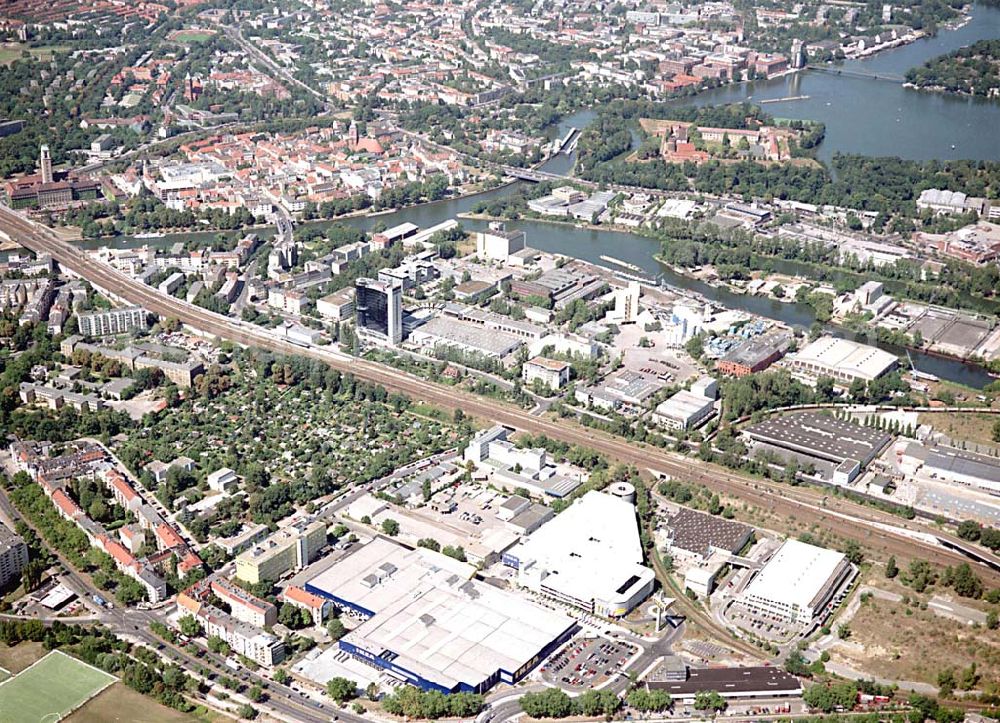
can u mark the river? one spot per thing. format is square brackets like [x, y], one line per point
[860, 116]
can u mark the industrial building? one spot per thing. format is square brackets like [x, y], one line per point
[513, 468]
[684, 410]
[965, 468]
[589, 556]
[378, 310]
[113, 321]
[699, 534]
[464, 336]
[837, 448]
[754, 355]
[738, 682]
[498, 243]
[798, 583]
[842, 360]
[429, 624]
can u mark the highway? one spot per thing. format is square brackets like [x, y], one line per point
[806, 505]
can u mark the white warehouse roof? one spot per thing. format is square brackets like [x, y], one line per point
[846, 357]
[797, 574]
[590, 551]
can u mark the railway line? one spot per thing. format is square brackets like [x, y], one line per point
[805, 505]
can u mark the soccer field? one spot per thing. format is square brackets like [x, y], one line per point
[50, 689]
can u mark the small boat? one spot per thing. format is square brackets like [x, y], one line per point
[952, 146]
[149, 234]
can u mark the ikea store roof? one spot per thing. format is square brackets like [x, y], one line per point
[435, 621]
[796, 575]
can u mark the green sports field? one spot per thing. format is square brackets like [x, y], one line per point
[50, 689]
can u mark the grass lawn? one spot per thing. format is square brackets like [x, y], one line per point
[9, 52]
[968, 426]
[16, 658]
[120, 703]
[192, 36]
[51, 688]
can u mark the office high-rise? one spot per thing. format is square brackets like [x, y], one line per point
[378, 309]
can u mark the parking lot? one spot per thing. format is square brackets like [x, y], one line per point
[587, 662]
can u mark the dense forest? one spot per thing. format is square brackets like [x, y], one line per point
[973, 70]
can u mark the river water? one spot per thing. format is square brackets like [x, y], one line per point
[860, 116]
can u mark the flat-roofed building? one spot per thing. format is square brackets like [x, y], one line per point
[497, 243]
[842, 360]
[589, 556]
[798, 583]
[337, 306]
[738, 682]
[684, 410]
[839, 448]
[378, 309]
[113, 321]
[700, 535]
[13, 556]
[292, 547]
[966, 468]
[551, 373]
[754, 355]
[427, 622]
[464, 336]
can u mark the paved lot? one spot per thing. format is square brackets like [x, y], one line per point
[587, 662]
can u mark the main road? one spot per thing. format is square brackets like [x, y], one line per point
[880, 531]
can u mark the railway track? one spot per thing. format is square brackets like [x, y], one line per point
[802, 503]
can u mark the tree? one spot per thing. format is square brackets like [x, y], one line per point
[390, 527]
[853, 552]
[218, 645]
[430, 543]
[256, 693]
[709, 700]
[247, 712]
[992, 621]
[891, 570]
[190, 626]
[341, 689]
[336, 629]
[970, 530]
[281, 676]
[828, 698]
[457, 552]
[946, 682]
[965, 582]
[550, 703]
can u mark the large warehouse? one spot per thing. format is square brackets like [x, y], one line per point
[841, 359]
[797, 583]
[429, 624]
[589, 556]
[839, 449]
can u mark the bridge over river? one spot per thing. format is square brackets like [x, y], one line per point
[858, 73]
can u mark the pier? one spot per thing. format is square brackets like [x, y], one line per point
[782, 100]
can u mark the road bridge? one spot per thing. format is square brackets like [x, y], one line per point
[857, 73]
